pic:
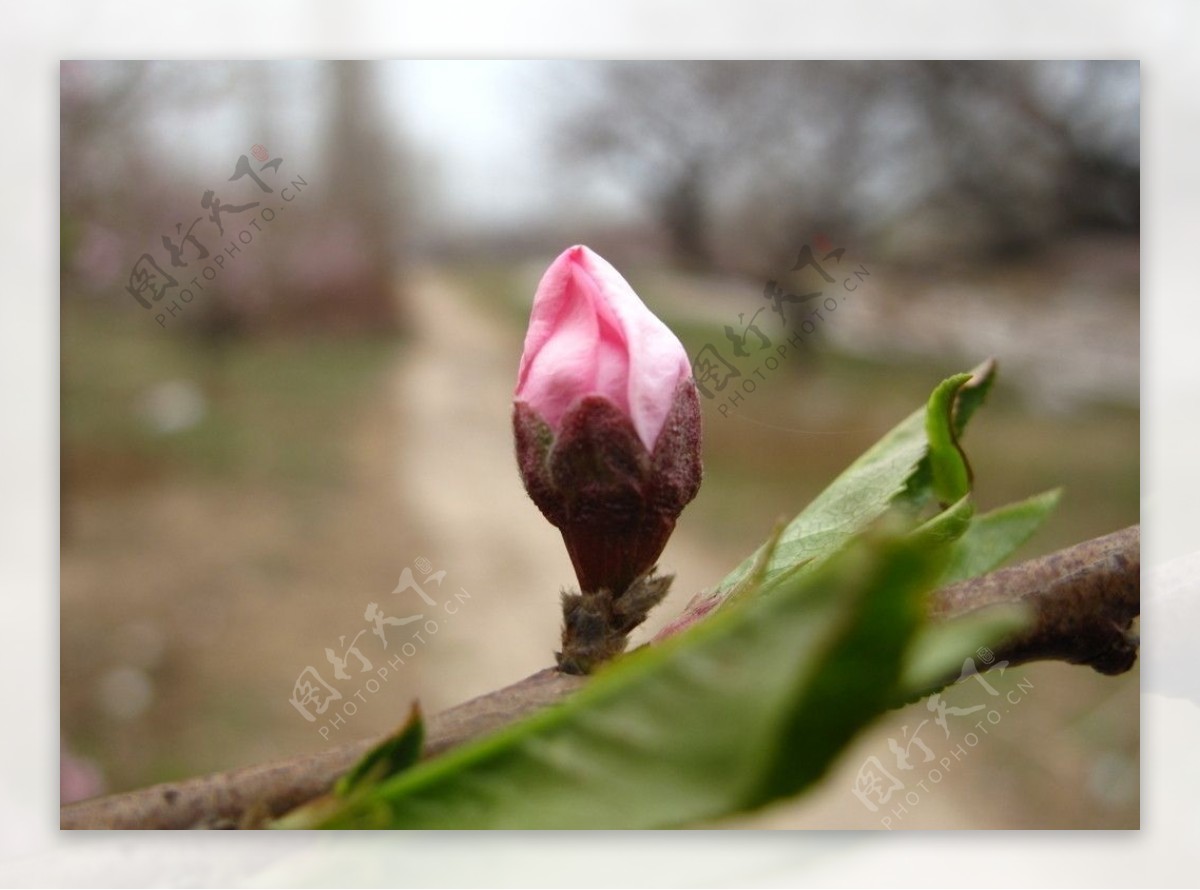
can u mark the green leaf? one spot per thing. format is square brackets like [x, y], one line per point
[949, 525]
[948, 463]
[919, 489]
[822, 629]
[897, 467]
[394, 754]
[973, 394]
[940, 648]
[861, 666]
[858, 497]
[746, 707]
[994, 536]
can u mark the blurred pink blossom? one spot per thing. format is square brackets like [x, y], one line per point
[78, 777]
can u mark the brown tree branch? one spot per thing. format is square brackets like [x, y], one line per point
[224, 800]
[1084, 598]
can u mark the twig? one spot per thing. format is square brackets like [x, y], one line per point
[1084, 598]
[226, 800]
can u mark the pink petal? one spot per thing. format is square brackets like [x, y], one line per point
[590, 334]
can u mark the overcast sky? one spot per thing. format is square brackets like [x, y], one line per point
[478, 131]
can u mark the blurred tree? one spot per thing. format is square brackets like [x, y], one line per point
[741, 162]
[332, 260]
[667, 130]
[344, 268]
[1007, 156]
[110, 181]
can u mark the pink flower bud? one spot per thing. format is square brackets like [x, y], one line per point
[607, 421]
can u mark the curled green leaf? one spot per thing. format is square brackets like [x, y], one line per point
[948, 464]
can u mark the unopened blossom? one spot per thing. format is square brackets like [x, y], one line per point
[607, 422]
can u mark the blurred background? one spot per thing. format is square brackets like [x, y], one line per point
[293, 296]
